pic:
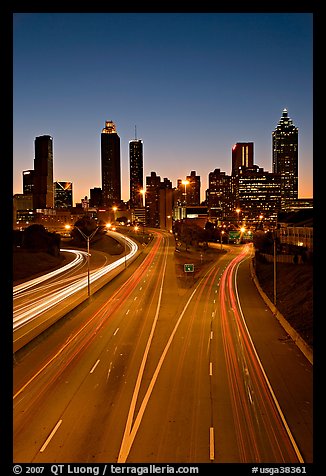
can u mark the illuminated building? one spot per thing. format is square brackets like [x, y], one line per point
[62, 194]
[285, 158]
[193, 189]
[189, 194]
[242, 156]
[136, 173]
[219, 194]
[110, 165]
[259, 192]
[159, 202]
[28, 181]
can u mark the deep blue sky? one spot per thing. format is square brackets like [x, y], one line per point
[192, 83]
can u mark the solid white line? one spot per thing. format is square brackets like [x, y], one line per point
[211, 444]
[50, 436]
[94, 366]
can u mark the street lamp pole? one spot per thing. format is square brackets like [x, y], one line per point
[222, 233]
[275, 259]
[88, 239]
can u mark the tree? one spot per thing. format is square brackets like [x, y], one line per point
[37, 238]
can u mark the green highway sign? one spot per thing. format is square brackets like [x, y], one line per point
[234, 234]
[189, 268]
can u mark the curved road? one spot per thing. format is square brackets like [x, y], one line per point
[151, 371]
[36, 302]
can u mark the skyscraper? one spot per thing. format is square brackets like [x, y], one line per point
[136, 173]
[43, 196]
[285, 157]
[193, 189]
[28, 181]
[242, 156]
[62, 194]
[110, 165]
[219, 194]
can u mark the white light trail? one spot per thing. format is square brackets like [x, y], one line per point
[28, 313]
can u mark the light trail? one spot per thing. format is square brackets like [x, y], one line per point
[27, 314]
[261, 429]
[80, 258]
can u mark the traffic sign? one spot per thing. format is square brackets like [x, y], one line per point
[189, 268]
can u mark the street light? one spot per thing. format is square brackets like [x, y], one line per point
[114, 210]
[222, 233]
[238, 212]
[88, 239]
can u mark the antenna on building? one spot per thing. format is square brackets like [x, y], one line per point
[135, 132]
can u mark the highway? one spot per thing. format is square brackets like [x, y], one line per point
[151, 371]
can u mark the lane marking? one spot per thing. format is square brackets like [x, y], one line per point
[127, 311]
[211, 444]
[109, 371]
[94, 366]
[130, 431]
[51, 436]
[116, 331]
[210, 368]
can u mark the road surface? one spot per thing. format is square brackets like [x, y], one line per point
[151, 371]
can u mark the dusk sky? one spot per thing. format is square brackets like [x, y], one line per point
[193, 84]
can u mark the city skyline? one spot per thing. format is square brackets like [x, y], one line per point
[190, 104]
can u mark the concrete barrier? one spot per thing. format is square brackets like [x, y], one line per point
[295, 336]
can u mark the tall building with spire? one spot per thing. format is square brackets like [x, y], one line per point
[110, 165]
[136, 170]
[285, 158]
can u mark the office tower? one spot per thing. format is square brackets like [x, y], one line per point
[136, 173]
[166, 205]
[28, 181]
[43, 196]
[110, 165]
[95, 199]
[242, 156]
[152, 200]
[259, 193]
[62, 194]
[193, 189]
[285, 157]
[219, 194]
